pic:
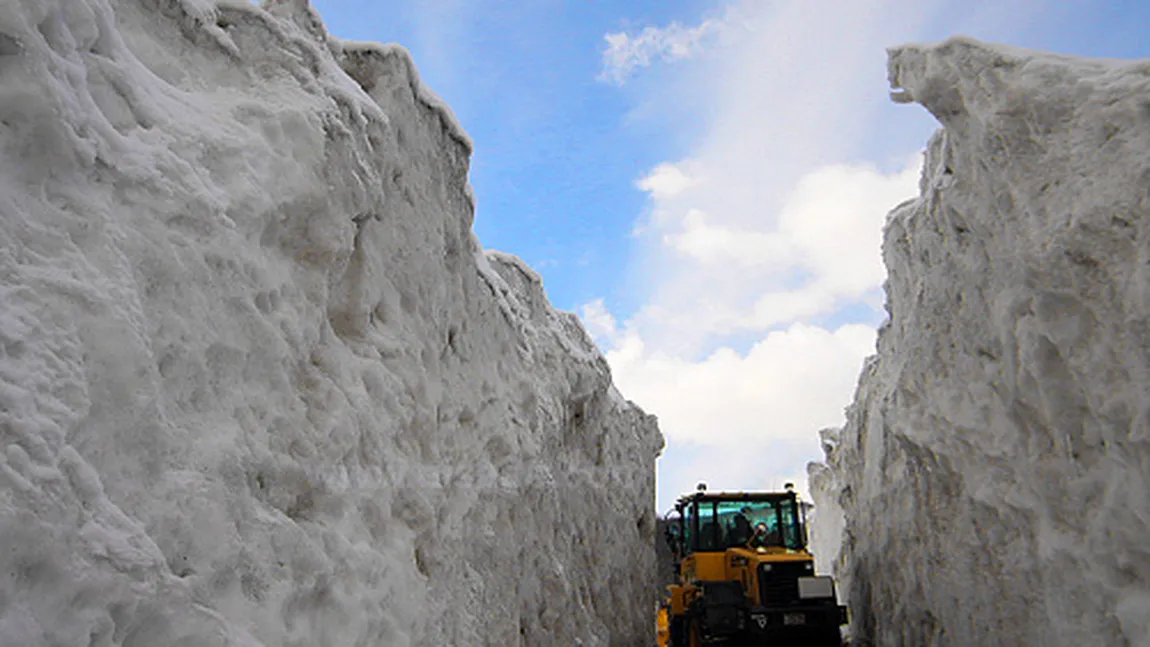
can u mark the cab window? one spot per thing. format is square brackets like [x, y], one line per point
[792, 534]
[710, 537]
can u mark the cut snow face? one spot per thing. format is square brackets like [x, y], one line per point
[993, 470]
[259, 384]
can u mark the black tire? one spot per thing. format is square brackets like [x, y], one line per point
[694, 633]
[831, 638]
[678, 632]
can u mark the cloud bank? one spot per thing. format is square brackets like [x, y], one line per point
[627, 52]
[759, 248]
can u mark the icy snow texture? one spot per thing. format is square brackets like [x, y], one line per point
[258, 383]
[993, 469]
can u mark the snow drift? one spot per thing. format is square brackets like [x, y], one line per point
[258, 383]
[993, 469]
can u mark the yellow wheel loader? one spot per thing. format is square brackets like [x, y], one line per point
[745, 575]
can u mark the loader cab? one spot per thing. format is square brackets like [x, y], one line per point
[714, 522]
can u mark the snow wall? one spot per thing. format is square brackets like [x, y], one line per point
[993, 469]
[259, 385]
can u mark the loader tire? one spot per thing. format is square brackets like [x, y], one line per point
[694, 633]
[678, 632]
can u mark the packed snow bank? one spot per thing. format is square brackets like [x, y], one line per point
[993, 469]
[258, 383]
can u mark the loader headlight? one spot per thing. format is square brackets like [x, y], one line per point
[816, 588]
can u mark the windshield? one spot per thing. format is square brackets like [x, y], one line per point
[741, 517]
[715, 525]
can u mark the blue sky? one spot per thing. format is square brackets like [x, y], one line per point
[556, 152]
[705, 183]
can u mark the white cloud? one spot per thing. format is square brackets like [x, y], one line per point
[787, 386]
[828, 232]
[775, 215]
[816, 253]
[744, 421]
[626, 52]
[707, 243]
[770, 225]
[750, 466]
[667, 181]
[831, 223]
[599, 321]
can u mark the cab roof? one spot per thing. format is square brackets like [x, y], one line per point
[734, 496]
